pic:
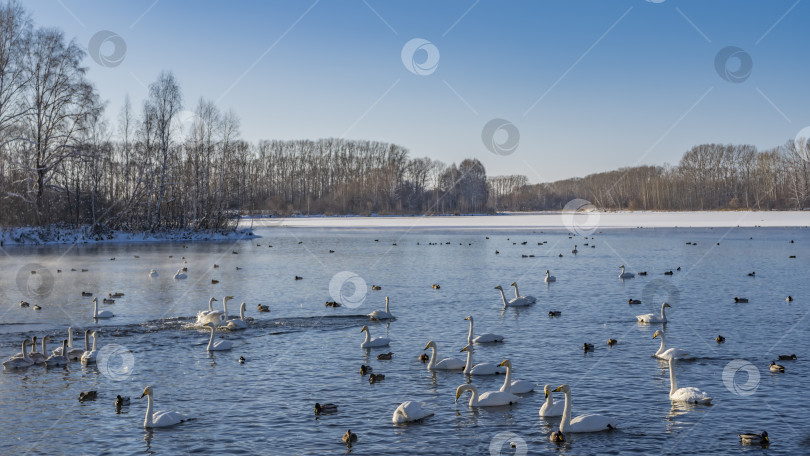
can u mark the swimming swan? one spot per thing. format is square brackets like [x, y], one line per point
[89, 357]
[689, 394]
[479, 369]
[445, 364]
[667, 353]
[381, 314]
[57, 360]
[549, 407]
[531, 299]
[21, 362]
[410, 411]
[485, 338]
[153, 273]
[239, 323]
[549, 278]
[487, 399]
[179, 275]
[160, 418]
[514, 386]
[74, 353]
[653, 318]
[219, 345]
[372, 342]
[582, 423]
[625, 275]
[100, 315]
[516, 302]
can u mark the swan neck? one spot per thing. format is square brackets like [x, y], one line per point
[95, 339]
[517, 295]
[211, 340]
[70, 337]
[549, 400]
[503, 297]
[86, 341]
[95, 308]
[386, 306]
[470, 334]
[432, 362]
[211, 305]
[225, 305]
[368, 336]
[147, 422]
[566, 419]
[672, 381]
[473, 396]
[663, 344]
[242, 313]
[25, 355]
[663, 311]
[507, 380]
[45, 353]
[468, 366]
[64, 347]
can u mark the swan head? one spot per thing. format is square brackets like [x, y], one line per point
[147, 392]
[461, 389]
[505, 363]
[665, 305]
[621, 267]
[499, 288]
[365, 329]
[564, 388]
[95, 300]
[212, 299]
[657, 333]
[514, 284]
[466, 348]
[548, 272]
[469, 317]
[227, 298]
[243, 306]
[430, 344]
[546, 390]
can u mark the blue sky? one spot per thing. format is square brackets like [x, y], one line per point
[590, 85]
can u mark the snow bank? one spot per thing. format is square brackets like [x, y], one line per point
[58, 235]
[558, 220]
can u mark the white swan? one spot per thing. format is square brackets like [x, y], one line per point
[667, 353]
[582, 423]
[549, 407]
[445, 364]
[381, 314]
[220, 345]
[216, 317]
[58, 360]
[74, 353]
[372, 342]
[531, 299]
[239, 323]
[689, 394]
[100, 315]
[485, 338]
[549, 278]
[89, 357]
[160, 418]
[487, 399]
[482, 368]
[179, 275]
[410, 411]
[625, 275]
[19, 362]
[36, 357]
[514, 386]
[653, 318]
[153, 273]
[516, 302]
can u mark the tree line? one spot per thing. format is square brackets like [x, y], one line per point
[160, 165]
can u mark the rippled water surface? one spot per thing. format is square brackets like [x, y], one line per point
[303, 352]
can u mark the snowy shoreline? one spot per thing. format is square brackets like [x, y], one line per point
[551, 220]
[51, 235]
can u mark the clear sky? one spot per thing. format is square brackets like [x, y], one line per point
[589, 85]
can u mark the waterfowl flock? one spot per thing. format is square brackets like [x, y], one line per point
[512, 392]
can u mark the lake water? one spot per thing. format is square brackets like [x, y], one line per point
[303, 352]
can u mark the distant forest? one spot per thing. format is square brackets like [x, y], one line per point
[160, 166]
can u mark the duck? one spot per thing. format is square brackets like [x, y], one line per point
[424, 357]
[37, 307]
[634, 301]
[108, 301]
[612, 342]
[549, 278]
[720, 339]
[557, 437]
[485, 338]
[385, 356]
[669, 272]
[25, 304]
[445, 364]
[653, 318]
[689, 394]
[755, 439]
[262, 308]
[299, 278]
[436, 286]
[86, 294]
[554, 313]
[376, 287]
[121, 401]
[776, 367]
[365, 370]
[582, 423]
[787, 357]
[372, 342]
[117, 294]
[586, 347]
[160, 418]
[642, 273]
[625, 275]
[332, 304]
[180, 275]
[740, 300]
[88, 396]
[487, 399]
[214, 281]
[325, 408]
[789, 299]
[549, 407]
[374, 378]
[479, 369]
[153, 273]
[410, 411]
[382, 314]
[752, 274]
[349, 437]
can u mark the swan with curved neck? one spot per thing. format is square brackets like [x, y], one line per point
[57, 360]
[549, 278]
[371, 342]
[382, 314]
[409, 411]
[90, 356]
[514, 386]
[653, 318]
[667, 353]
[516, 302]
[219, 345]
[479, 369]
[530, 299]
[160, 418]
[485, 338]
[216, 317]
[100, 315]
[239, 323]
[689, 394]
[625, 275]
[582, 423]
[445, 364]
[20, 362]
[549, 407]
[487, 399]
